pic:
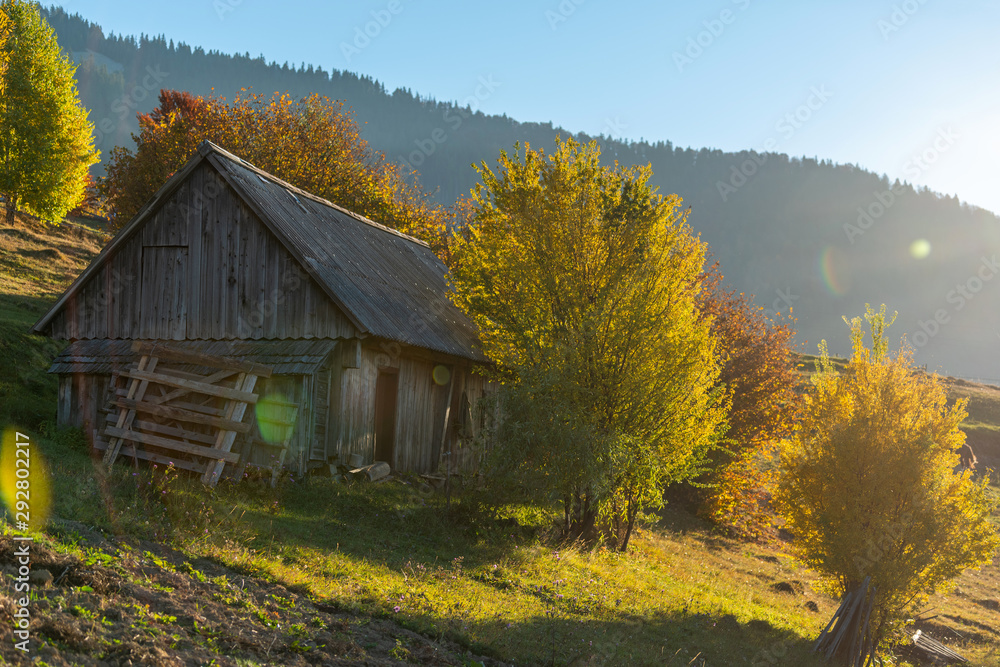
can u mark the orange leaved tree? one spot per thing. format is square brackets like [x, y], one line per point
[313, 143]
[758, 370]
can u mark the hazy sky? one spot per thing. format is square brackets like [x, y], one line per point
[905, 88]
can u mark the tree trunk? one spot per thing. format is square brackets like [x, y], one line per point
[582, 517]
[633, 511]
[11, 209]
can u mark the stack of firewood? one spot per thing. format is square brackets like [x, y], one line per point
[936, 650]
[848, 635]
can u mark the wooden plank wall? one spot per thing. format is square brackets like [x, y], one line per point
[237, 280]
[357, 405]
[419, 407]
[420, 410]
[81, 397]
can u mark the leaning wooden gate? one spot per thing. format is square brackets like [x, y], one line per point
[169, 410]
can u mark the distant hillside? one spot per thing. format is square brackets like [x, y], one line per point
[820, 237]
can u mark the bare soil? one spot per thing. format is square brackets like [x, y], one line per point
[141, 603]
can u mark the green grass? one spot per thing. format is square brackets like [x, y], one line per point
[37, 262]
[387, 550]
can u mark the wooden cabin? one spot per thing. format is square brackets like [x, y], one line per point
[352, 316]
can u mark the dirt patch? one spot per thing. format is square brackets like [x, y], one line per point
[142, 603]
[49, 254]
[788, 587]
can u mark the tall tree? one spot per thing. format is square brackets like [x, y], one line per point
[46, 140]
[313, 143]
[868, 485]
[758, 371]
[584, 285]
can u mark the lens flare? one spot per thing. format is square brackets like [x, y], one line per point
[441, 375]
[833, 269]
[24, 480]
[920, 248]
[276, 417]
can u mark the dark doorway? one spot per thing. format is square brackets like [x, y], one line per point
[386, 388]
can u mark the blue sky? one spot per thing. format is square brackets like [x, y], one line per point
[907, 88]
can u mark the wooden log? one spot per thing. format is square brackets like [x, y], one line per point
[183, 415]
[173, 353]
[167, 443]
[373, 472]
[195, 387]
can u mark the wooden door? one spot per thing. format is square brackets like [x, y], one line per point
[318, 449]
[163, 309]
[386, 390]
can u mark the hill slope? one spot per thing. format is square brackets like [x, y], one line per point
[822, 238]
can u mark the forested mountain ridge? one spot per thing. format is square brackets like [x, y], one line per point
[822, 238]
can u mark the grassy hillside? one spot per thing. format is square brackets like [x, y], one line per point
[37, 262]
[152, 568]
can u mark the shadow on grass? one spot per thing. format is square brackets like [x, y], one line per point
[364, 541]
[561, 639]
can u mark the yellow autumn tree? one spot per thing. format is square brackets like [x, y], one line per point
[868, 486]
[584, 284]
[46, 140]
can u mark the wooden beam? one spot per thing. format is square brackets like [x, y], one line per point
[173, 353]
[167, 443]
[183, 415]
[177, 393]
[193, 386]
[152, 427]
[172, 372]
[100, 445]
[224, 442]
[136, 390]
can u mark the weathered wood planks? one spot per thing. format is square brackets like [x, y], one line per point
[196, 433]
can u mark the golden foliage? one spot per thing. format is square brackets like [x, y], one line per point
[584, 285]
[868, 485]
[46, 140]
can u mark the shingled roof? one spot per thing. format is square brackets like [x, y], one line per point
[388, 284]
